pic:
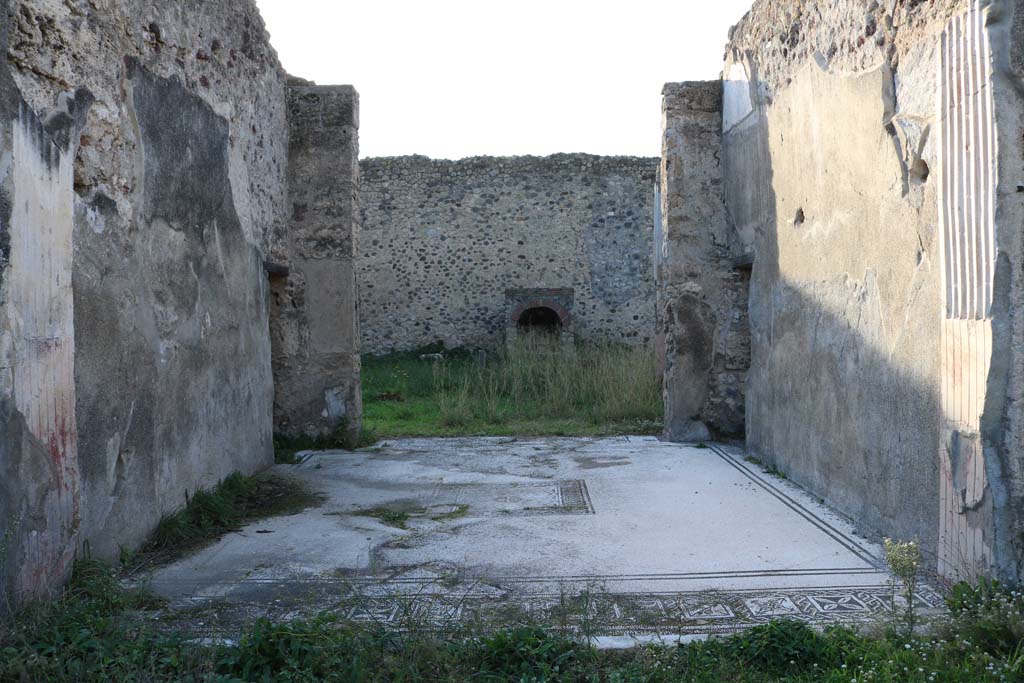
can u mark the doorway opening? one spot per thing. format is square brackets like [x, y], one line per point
[540, 319]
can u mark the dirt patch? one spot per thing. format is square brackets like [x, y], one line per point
[594, 463]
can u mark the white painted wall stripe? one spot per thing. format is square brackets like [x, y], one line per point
[43, 340]
[967, 159]
[967, 216]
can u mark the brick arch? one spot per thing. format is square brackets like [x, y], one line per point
[563, 314]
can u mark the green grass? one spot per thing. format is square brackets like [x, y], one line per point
[210, 514]
[534, 388]
[286, 448]
[390, 516]
[100, 632]
[398, 516]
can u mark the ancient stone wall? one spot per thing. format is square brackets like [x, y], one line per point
[313, 310]
[702, 279]
[448, 248]
[143, 152]
[861, 173]
[1001, 421]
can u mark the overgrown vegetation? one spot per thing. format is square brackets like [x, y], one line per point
[94, 633]
[210, 514]
[990, 616]
[286, 448]
[904, 560]
[534, 387]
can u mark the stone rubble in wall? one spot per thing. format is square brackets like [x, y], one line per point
[849, 36]
[702, 296]
[442, 241]
[213, 48]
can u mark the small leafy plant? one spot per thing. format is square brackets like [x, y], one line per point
[904, 560]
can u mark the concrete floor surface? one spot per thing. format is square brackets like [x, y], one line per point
[620, 537]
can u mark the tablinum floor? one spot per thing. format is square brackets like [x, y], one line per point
[619, 537]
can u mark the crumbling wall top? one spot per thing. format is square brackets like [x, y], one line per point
[703, 96]
[321, 107]
[843, 35]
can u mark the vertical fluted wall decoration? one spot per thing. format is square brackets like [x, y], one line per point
[967, 218]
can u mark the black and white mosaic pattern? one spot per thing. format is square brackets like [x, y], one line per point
[556, 497]
[591, 612]
[443, 595]
[670, 613]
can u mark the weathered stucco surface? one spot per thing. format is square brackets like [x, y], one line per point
[701, 283]
[314, 316]
[1002, 421]
[143, 150]
[442, 242]
[834, 182]
[37, 389]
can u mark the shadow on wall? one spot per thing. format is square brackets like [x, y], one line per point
[825, 404]
[843, 391]
[866, 435]
[181, 371]
[828, 408]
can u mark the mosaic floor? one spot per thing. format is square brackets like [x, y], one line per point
[615, 537]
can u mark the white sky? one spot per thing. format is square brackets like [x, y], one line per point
[457, 78]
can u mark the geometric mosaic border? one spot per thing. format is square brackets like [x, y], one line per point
[673, 613]
[597, 613]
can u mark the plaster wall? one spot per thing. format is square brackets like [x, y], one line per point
[444, 242]
[1002, 418]
[142, 185]
[39, 347]
[864, 385]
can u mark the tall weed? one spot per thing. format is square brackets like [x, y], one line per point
[539, 377]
